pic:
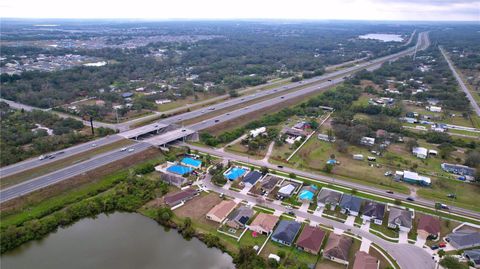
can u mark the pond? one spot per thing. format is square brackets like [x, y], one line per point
[383, 37]
[119, 240]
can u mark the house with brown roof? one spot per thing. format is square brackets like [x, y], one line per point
[337, 248]
[176, 198]
[310, 239]
[428, 227]
[263, 223]
[220, 212]
[365, 261]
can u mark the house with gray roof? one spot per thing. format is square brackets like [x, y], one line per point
[286, 232]
[268, 183]
[239, 217]
[400, 218]
[464, 239]
[350, 204]
[328, 197]
[473, 255]
[251, 178]
[373, 211]
[338, 248]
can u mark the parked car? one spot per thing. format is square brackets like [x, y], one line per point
[434, 247]
[388, 173]
[442, 245]
[452, 195]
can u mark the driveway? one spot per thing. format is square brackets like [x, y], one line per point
[403, 237]
[406, 255]
[420, 241]
[350, 221]
[365, 246]
[366, 226]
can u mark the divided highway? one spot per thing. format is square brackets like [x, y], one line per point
[323, 82]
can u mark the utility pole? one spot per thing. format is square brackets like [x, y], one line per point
[91, 126]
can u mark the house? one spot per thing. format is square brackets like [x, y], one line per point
[294, 132]
[263, 223]
[220, 211]
[350, 204]
[286, 190]
[367, 141]
[176, 198]
[434, 109]
[363, 260]
[415, 178]
[268, 183]
[473, 255]
[307, 193]
[400, 218]
[458, 169]
[310, 239]
[286, 232]
[328, 197]
[251, 178]
[326, 138]
[428, 227]
[190, 162]
[373, 211]
[256, 132]
[464, 239]
[301, 125]
[239, 217]
[337, 248]
[162, 101]
[420, 152]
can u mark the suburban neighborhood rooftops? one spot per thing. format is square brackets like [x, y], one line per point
[191, 162]
[172, 199]
[241, 215]
[364, 260]
[286, 190]
[286, 231]
[374, 210]
[252, 177]
[222, 209]
[266, 221]
[311, 238]
[400, 217]
[350, 202]
[429, 224]
[473, 255]
[464, 239]
[269, 182]
[338, 246]
[327, 196]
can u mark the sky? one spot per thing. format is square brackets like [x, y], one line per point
[408, 10]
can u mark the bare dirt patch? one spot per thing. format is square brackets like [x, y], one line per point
[198, 207]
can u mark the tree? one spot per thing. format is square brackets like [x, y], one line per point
[264, 170]
[411, 143]
[450, 262]
[247, 258]
[445, 150]
[164, 214]
[473, 158]
[328, 168]
[342, 146]
[292, 175]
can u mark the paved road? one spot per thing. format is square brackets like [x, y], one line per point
[68, 152]
[464, 88]
[406, 255]
[68, 172]
[323, 83]
[329, 179]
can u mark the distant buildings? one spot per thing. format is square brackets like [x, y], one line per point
[415, 178]
[420, 152]
[256, 132]
[458, 169]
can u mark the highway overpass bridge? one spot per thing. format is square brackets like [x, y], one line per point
[160, 134]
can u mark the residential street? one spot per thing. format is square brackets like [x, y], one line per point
[406, 255]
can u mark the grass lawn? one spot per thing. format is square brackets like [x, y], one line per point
[240, 149]
[56, 165]
[335, 213]
[383, 228]
[328, 264]
[249, 240]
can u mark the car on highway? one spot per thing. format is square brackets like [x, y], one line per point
[217, 120]
[94, 145]
[42, 157]
[411, 199]
[212, 108]
[131, 149]
[282, 97]
[280, 166]
[51, 156]
[123, 149]
[60, 152]
[330, 80]
[389, 191]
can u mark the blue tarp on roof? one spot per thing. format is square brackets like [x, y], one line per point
[235, 173]
[191, 162]
[179, 169]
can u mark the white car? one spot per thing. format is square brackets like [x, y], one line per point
[94, 145]
[131, 149]
[41, 157]
[123, 149]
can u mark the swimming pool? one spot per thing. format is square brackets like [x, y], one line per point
[235, 173]
[179, 169]
[191, 162]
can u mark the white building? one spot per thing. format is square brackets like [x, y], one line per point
[420, 152]
[162, 101]
[367, 141]
[434, 108]
[256, 132]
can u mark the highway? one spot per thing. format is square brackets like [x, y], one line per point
[334, 77]
[406, 255]
[68, 172]
[464, 88]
